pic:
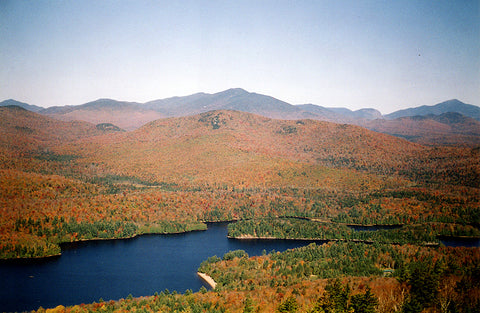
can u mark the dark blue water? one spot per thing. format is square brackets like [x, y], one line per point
[460, 242]
[88, 271]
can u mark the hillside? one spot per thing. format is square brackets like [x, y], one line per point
[29, 138]
[243, 149]
[132, 115]
[362, 114]
[236, 148]
[24, 130]
[231, 99]
[126, 115]
[220, 145]
[241, 100]
[26, 106]
[444, 129]
[64, 182]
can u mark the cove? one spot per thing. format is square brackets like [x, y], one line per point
[114, 269]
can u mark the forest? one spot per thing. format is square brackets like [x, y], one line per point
[421, 234]
[70, 181]
[334, 277]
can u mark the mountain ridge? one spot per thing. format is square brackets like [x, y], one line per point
[231, 99]
[449, 128]
[126, 115]
[238, 98]
[24, 130]
[96, 105]
[218, 146]
[132, 115]
[26, 106]
[453, 105]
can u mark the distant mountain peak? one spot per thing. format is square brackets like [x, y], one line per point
[109, 103]
[453, 105]
[26, 106]
[233, 92]
[105, 100]
[451, 101]
[237, 90]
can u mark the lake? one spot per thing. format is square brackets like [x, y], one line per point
[114, 269]
[460, 241]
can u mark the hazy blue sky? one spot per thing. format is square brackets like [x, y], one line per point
[383, 54]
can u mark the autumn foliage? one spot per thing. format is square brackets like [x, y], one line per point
[69, 181]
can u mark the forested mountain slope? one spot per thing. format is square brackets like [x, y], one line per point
[414, 124]
[232, 99]
[127, 115]
[69, 181]
[23, 130]
[241, 148]
[26, 106]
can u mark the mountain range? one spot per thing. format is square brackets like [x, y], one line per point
[449, 128]
[26, 106]
[444, 107]
[434, 127]
[223, 147]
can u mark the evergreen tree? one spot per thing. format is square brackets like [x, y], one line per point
[335, 299]
[423, 278]
[289, 305]
[364, 303]
[248, 305]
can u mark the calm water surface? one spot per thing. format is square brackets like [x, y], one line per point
[113, 269]
[460, 242]
[88, 271]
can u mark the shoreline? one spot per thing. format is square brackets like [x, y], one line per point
[83, 240]
[251, 237]
[31, 259]
[374, 225]
[209, 280]
[458, 237]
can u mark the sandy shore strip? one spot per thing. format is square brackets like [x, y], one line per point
[209, 280]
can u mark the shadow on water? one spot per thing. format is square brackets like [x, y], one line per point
[468, 242]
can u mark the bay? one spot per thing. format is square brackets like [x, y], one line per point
[114, 269]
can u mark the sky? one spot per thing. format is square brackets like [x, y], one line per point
[387, 55]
